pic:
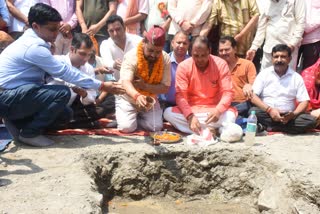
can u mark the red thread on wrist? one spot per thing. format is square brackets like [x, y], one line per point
[268, 110]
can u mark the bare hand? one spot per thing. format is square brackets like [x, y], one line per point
[187, 27]
[103, 70]
[113, 87]
[194, 124]
[213, 116]
[250, 54]
[247, 91]
[141, 101]
[80, 91]
[291, 47]
[287, 117]
[117, 64]
[138, 83]
[65, 28]
[93, 29]
[275, 115]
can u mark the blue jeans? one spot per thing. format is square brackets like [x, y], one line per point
[32, 108]
[243, 108]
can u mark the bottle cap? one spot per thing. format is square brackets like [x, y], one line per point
[253, 112]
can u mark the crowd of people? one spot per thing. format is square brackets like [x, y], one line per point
[195, 64]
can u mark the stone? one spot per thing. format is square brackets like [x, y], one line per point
[267, 200]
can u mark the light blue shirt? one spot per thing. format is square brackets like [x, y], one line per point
[170, 97]
[4, 13]
[28, 59]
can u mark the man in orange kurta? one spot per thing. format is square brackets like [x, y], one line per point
[243, 74]
[203, 91]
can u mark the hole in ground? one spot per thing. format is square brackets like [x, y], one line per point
[182, 175]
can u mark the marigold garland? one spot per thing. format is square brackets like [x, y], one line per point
[143, 70]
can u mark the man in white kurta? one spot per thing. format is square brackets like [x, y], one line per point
[280, 22]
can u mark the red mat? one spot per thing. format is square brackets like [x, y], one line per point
[109, 131]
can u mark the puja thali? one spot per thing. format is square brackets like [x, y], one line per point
[165, 137]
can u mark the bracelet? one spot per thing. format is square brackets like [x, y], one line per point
[268, 110]
[135, 97]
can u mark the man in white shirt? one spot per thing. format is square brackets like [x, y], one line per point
[280, 22]
[82, 101]
[119, 43]
[276, 91]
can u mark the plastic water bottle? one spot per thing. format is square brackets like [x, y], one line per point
[251, 129]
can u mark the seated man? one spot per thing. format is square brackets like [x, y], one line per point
[113, 50]
[26, 104]
[82, 101]
[144, 72]
[180, 46]
[277, 89]
[243, 73]
[203, 91]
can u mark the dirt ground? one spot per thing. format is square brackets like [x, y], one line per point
[63, 178]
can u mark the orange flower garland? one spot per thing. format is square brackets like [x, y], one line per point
[143, 70]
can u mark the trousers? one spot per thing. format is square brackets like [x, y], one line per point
[32, 107]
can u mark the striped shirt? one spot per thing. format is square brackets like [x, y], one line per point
[232, 18]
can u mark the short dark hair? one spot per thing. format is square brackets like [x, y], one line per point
[224, 39]
[42, 14]
[281, 48]
[202, 40]
[113, 19]
[79, 38]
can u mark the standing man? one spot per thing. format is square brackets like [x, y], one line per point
[133, 12]
[203, 91]
[27, 105]
[281, 96]
[236, 18]
[180, 45]
[145, 72]
[243, 74]
[281, 22]
[67, 9]
[310, 46]
[92, 16]
[188, 16]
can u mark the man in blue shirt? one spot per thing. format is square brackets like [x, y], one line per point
[26, 104]
[180, 45]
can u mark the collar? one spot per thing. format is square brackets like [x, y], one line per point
[289, 72]
[173, 59]
[30, 32]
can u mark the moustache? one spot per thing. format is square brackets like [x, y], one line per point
[279, 63]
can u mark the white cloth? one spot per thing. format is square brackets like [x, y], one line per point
[62, 45]
[110, 51]
[154, 16]
[280, 92]
[128, 118]
[87, 69]
[179, 121]
[280, 23]
[195, 11]
[312, 27]
[23, 6]
[143, 8]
